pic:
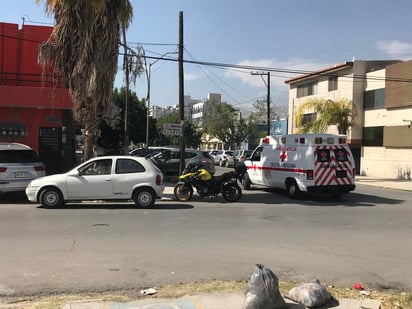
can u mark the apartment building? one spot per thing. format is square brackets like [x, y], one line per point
[380, 137]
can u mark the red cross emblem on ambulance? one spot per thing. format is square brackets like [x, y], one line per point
[283, 156]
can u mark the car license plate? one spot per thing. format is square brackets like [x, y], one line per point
[20, 174]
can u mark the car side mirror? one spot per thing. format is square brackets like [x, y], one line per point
[75, 173]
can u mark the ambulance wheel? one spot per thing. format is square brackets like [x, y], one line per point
[246, 182]
[292, 188]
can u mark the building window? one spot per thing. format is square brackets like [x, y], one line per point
[332, 83]
[374, 99]
[308, 118]
[373, 136]
[307, 89]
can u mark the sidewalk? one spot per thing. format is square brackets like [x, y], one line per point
[399, 184]
[210, 301]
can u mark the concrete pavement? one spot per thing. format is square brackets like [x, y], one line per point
[201, 301]
[225, 300]
[212, 301]
[399, 184]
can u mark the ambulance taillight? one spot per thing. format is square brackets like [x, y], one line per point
[309, 174]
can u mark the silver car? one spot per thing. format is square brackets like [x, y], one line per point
[225, 158]
[112, 178]
[19, 164]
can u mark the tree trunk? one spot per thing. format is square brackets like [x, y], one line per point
[90, 140]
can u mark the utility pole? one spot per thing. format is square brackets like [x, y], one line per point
[126, 99]
[267, 98]
[268, 104]
[181, 96]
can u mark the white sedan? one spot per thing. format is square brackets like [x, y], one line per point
[101, 178]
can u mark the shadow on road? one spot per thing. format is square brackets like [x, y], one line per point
[353, 199]
[121, 205]
[14, 197]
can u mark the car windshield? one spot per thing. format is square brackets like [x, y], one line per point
[18, 156]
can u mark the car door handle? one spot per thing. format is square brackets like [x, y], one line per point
[108, 179]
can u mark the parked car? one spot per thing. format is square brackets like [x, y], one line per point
[168, 160]
[102, 178]
[143, 152]
[225, 158]
[213, 154]
[19, 164]
[242, 155]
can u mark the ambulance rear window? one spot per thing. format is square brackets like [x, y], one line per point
[323, 155]
[341, 155]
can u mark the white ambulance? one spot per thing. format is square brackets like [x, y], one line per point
[317, 163]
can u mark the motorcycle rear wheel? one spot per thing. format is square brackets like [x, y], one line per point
[182, 192]
[232, 193]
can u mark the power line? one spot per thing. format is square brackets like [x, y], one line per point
[258, 68]
[221, 89]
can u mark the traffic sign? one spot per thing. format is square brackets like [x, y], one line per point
[172, 129]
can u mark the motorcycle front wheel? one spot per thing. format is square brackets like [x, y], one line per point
[183, 192]
[232, 193]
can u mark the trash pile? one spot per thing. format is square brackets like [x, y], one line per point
[263, 292]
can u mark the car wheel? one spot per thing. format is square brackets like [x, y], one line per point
[246, 182]
[144, 197]
[292, 188]
[51, 197]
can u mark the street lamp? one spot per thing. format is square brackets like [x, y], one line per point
[148, 94]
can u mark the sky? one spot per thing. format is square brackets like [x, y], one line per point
[288, 35]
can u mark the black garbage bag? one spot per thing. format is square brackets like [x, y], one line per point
[310, 294]
[263, 290]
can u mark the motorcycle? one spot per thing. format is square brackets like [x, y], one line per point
[207, 185]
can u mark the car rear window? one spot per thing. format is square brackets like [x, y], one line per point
[18, 156]
[124, 166]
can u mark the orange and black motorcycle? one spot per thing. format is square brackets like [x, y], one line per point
[207, 185]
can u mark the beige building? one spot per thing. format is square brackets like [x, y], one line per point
[381, 137]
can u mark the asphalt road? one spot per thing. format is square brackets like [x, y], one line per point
[362, 237]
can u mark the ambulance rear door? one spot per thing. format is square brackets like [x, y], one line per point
[333, 166]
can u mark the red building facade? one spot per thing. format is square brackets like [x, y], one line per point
[32, 110]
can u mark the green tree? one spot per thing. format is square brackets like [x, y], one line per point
[112, 126]
[193, 135]
[224, 122]
[241, 130]
[261, 111]
[210, 114]
[84, 47]
[339, 113]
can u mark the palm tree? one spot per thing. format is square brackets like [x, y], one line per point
[329, 112]
[83, 48]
